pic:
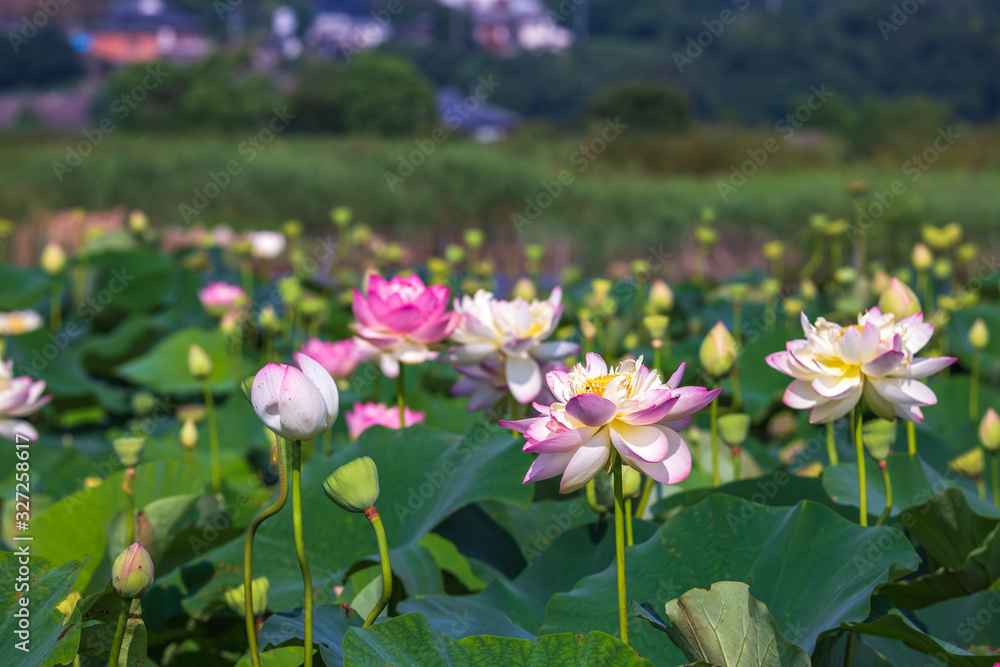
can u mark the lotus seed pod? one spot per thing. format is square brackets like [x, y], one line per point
[989, 431]
[601, 287]
[835, 227]
[341, 216]
[808, 290]
[474, 238]
[770, 287]
[739, 292]
[734, 428]
[878, 435]
[846, 275]
[966, 252]
[774, 250]
[143, 403]
[922, 257]
[292, 228]
[942, 268]
[524, 289]
[899, 300]
[189, 435]
[354, 485]
[718, 351]
[259, 589]
[193, 411]
[656, 325]
[817, 221]
[970, 464]
[630, 341]
[534, 251]
[199, 363]
[291, 290]
[793, 306]
[128, 450]
[706, 236]
[979, 335]
[53, 259]
[132, 572]
[454, 253]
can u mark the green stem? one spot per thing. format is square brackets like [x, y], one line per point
[300, 547]
[974, 388]
[383, 555]
[238, 357]
[831, 444]
[620, 551]
[189, 459]
[737, 451]
[849, 654]
[888, 494]
[264, 514]
[55, 307]
[213, 436]
[981, 487]
[927, 289]
[734, 384]
[715, 440]
[859, 444]
[656, 354]
[400, 395]
[628, 522]
[911, 437]
[130, 517]
[246, 269]
[644, 498]
[995, 460]
[116, 646]
[327, 443]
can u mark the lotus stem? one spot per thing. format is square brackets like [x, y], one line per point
[974, 388]
[884, 467]
[911, 437]
[383, 554]
[213, 436]
[55, 307]
[715, 440]
[657, 344]
[981, 486]
[995, 464]
[401, 395]
[640, 509]
[300, 547]
[859, 444]
[831, 444]
[116, 645]
[628, 522]
[264, 514]
[737, 451]
[129, 487]
[849, 653]
[620, 551]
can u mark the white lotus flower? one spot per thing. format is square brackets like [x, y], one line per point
[19, 397]
[19, 322]
[515, 329]
[835, 366]
[267, 244]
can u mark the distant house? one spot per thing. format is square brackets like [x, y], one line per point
[469, 115]
[136, 31]
[343, 27]
[509, 26]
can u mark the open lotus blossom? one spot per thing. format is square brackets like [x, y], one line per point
[365, 415]
[19, 397]
[267, 244]
[601, 412]
[835, 366]
[339, 358]
[218, 297]
[401, 317]
[486, 383]
[512, 333]
[19, 322]
[295, 404]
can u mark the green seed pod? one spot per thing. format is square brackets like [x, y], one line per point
[878, 436]
[354, 485]
[259, 589]
[734, 428]
[474, 238]
[129, 450]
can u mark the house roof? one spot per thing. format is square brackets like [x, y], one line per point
[148, 16]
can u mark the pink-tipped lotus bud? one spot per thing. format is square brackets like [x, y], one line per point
[132, 573]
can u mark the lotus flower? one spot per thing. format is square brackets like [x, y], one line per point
[19, 397]
[365, 415]
[19, 322]
[601, 412]
[218, 297]
[267, 244]
[295, 404]
[340, 358]
[401, 318]
[486, 383]
[834, 367]
[512, 333]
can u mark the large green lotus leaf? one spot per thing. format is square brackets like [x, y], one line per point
[812, 569]
[287, 656]
[52, 637]
[967, 621]
[33, 284]
[913, 480]
[76, 525]
[56, 470]
[450, 559]
[330, 623]
[895, 626]
[459, 616]
[53, 357]
[101, 354]
[726, 626]
[135, 280]
[425, 474]
[963, 541]
[949, 420]
[869, 651]
[164, 369]
[409, 640]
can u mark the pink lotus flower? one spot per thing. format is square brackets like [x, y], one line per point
[365, 415]
[835, 366]
[19, 397]
[295, 404]
[218, 297]
[401, 318]
[486, 383]
[340, 358]
[603, 412]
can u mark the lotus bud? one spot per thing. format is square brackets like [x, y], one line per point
[192, 411]
[259, 588]
[942, 268]
[631, 482]
[292, 228]
[128, 450]
[718, 351]
[793, 306]
[189, 434]
[661, 297]
[966, 252]
[341, 216]
[199, 363]
[808, 290]
[138, 223]
[571, 275]
[846, 275]
[880, 283]
[132, 572]
[989, 431]
[630, 341]
[53, 258]
[734, 428]
[857, 187]
[899, 300]
[970, 464]
[774, 250]
[454, 253]
[771, 287]
[922, 257]
[312, 305]
[354, 485]
[817, 221]
[706, 236]
[979, 335]
[878, 435]
[143, 403]
[474, 238]
[656, 325]
[360, 235]
[534, 252]
[835, 227]
[524, 289]
[601, 288]
[268, 318]
[291, 290]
